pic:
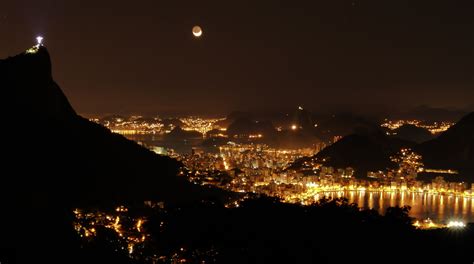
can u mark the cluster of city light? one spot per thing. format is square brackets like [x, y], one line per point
[134, 125]
[434, 128]
[261, 156]
[86, 223]
[456, 224]
[32, 50]
[427, 224]
[265, 170]
[201, 125]
[448, 171]
[132, 236]
[409, 162]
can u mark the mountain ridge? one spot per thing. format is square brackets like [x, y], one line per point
[370, 151]
[453, 148]
[57, 160]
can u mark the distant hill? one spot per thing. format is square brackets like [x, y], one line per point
[342, 125]
[413, 133]
[371, 150]
[452, 149]
[230, 118]
[361, 151]
[172, 122]
[303, 119]
[247, 126]
[179, 134]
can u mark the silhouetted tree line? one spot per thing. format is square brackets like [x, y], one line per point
[264, 230]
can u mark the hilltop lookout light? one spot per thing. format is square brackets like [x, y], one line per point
[39, 40]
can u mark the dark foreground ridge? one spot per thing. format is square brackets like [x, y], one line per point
[56, 161]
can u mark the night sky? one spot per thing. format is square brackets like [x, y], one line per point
[267, 55]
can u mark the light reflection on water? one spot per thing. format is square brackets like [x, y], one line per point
[440, 208]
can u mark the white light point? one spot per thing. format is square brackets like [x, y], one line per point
[39, 40]
[456, 224]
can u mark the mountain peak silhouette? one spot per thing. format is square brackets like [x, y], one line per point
[57, 160]
[108, 165]
[29, 89]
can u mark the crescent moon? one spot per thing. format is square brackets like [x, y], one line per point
[197, 31]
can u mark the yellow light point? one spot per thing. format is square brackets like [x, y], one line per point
[121, 209]
[294, 127]
[32, 50]
[417, 223]
[139, 225]
[226, 165]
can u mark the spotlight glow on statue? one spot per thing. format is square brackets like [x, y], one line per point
[39, 40]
